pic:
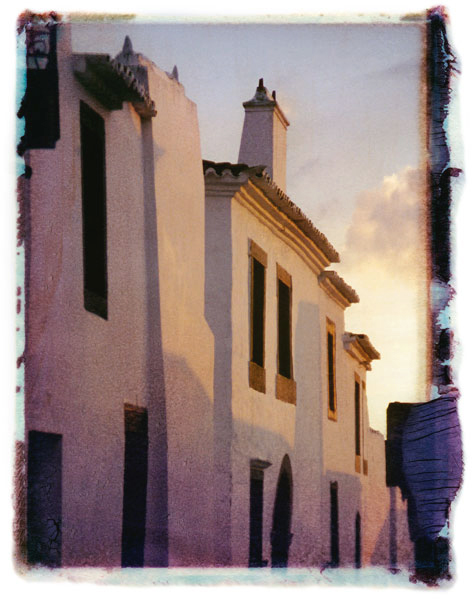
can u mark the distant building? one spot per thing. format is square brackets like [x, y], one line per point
[191, 395]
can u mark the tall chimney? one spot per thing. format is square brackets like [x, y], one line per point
[264, 135]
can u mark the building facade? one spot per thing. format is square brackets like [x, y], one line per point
[191, 395]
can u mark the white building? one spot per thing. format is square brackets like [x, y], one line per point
[191, 395]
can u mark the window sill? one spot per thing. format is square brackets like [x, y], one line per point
[257, 377]
[285, 389]
[358, 464]
[332, 415]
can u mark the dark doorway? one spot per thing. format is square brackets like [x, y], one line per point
[135, 486]
[256, 509]
[44, 502]
[281, 537]
[334, 525]
[358, 541]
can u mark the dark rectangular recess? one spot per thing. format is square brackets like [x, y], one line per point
[284, 329]
[331, 371]
[357, 419]
[256, 517]
[135, 486]
[334, 526]
[358, 541]
[258, 278]
[44, 499]
[94, 210]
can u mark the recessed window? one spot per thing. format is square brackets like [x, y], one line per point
[258, 264]
[331, 371]
[94, 217]
[363, 404]
[285, 387]
[357, 424]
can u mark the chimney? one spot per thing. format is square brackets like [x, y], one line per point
[264, 135]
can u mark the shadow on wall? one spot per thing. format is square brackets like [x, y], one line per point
[391, 544]
[218, 287]
[156, 545]
[309, 415]
[341, 527]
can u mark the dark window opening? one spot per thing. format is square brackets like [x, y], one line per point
[257, 312]
[284, 332]
[331, 370]
[135, 486]
[357, 420]
[334, 528]
[358, 541]
[256, 517]
[44, 499]
[94, 216]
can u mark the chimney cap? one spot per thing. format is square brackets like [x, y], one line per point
[262, 99]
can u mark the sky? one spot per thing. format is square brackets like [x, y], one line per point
[352, 95]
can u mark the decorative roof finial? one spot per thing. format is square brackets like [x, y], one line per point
[127, 56]
[261, 82]
[273, 94]
[127, 47]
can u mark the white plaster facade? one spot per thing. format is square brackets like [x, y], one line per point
[154, 350]
[176, 342]
[245, 207]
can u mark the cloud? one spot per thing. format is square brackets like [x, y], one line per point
[387, 227]
[384, 259]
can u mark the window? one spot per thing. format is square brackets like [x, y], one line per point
[135, 485]
[94, 220]
[334, 527]
[331, 370]
[256, 507]
[257, 374]
[285, 386]
[363, 405]
[357, 425]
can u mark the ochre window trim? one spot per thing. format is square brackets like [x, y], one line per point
[257, 372]
[285, 387]
[332, 400]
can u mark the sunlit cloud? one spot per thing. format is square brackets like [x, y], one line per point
[384, 260]
[386, 228]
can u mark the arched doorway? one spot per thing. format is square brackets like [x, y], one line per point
[281, 536]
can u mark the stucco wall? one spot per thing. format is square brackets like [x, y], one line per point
[187, 340]
[256, 425]
[155, 345]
